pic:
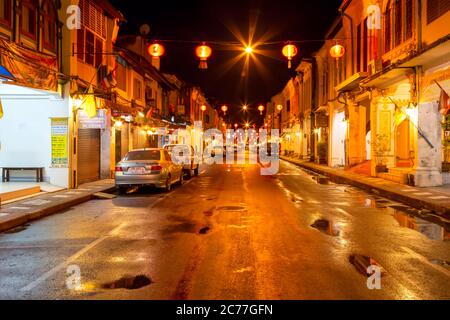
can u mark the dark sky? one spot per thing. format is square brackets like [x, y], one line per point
[201, 20]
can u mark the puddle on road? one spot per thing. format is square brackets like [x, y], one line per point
[129, 283]
[406, 219]
[204, 230]
[362, 264]
[17, 230]
[232, 208]
[327, 227]
[441, 263]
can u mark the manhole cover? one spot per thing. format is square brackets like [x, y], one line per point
[232, 208]
[129, 283]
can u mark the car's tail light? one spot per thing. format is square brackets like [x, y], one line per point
[156, 168]
[119, 169]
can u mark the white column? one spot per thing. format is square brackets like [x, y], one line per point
[428, 159]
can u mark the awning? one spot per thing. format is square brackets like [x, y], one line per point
[28, 67]
[351, 83]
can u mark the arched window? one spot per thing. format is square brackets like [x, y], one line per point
[5, 12]
[49, 19]
[28, 19]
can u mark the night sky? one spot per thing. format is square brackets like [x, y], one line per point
[211, 21]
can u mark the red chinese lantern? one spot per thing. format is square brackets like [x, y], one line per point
[224, 109]
[156, 50]
[203, 52]
[290, 51]
[337, 51]
[261, 109]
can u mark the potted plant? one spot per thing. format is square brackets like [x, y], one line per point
[381, 148]
[322, 153]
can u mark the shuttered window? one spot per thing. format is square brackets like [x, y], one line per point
[90, 48]
[436, 8]
[388, 30]
[408, 19]
[5, 12]
[92, 17]
[121, 77]
[49, 18]
[398, 25]
[28, 19]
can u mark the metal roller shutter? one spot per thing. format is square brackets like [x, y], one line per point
[88, 155]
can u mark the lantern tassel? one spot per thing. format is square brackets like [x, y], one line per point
[289, 64]
[203, 65]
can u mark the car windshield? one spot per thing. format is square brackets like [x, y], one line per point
[143, 155]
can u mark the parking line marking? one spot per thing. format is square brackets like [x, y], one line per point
[66, 263]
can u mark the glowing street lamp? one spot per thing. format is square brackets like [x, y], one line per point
[245, 108]
[203, 108]
[236, 125]
[280, 108]
[248, 50]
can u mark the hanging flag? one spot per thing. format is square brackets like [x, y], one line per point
[109, 81]
[90, 105]
[1, 109]
[149, 114]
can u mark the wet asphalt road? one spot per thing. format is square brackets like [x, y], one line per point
[230, 234]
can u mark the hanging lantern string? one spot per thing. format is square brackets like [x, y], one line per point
[237, 43]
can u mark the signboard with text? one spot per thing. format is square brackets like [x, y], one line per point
[98, 122]
[60, 138]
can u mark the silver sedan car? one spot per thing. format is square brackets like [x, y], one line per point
[148, 167]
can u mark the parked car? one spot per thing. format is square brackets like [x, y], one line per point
[190, 164]
[148, 167]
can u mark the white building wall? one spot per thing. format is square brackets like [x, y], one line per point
[25, 131]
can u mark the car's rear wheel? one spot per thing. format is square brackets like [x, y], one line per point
[188, 173]
[196, 171]
[122, 190]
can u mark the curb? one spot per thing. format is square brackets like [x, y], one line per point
[43, 212]
[385, 192]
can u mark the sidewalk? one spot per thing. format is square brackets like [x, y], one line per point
[21, 212]
[435, 199]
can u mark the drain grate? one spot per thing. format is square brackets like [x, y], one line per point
[129, 283]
